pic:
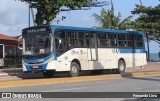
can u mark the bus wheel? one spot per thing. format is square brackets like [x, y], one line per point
[48, 73]
[121, 67]
[74, 70]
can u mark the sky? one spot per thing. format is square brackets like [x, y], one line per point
[14, 16]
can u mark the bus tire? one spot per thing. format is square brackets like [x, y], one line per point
[48, 73]
[121, 67]
[74, 69]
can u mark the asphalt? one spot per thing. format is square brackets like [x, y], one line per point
[10, 74]
[90, 88]
[146, 78]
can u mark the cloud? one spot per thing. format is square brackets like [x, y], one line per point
[78, 18]
[14, 16]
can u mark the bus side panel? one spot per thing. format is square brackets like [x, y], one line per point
[140, 59]
[107, 58]
[64, 61]
[83, 58]
[134, 59]
[51, 65]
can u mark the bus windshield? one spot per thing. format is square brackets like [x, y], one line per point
[37, 43]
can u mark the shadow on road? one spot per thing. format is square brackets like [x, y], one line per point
[21, 75]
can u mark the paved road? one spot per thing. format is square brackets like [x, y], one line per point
[130, 84]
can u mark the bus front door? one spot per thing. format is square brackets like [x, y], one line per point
[92, 50]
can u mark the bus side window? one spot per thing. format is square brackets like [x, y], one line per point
[92, 40]
[122, 40]
[112, 40]
[80, 39]
[102, 40]
[130, 41]
[71, 39]
[138, 41]
[87, 40]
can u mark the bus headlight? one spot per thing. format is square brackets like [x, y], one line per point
[49, 60]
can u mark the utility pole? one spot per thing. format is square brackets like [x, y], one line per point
[32, 12]
[141, 2]
[29, 16]
[33, 16]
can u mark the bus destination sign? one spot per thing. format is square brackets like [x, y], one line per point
[36, 30]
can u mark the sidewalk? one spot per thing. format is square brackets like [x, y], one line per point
[17, 73]
[150, 67]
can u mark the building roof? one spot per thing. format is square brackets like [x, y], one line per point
[5, 37]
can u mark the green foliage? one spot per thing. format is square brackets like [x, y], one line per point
[148, 20]
[48, 9]
[108, 19]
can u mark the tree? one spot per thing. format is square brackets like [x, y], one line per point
[48, 9]
[148, 21]
[108, 19]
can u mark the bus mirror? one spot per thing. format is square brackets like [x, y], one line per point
[60, 41]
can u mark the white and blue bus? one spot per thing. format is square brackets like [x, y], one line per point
[51, 49]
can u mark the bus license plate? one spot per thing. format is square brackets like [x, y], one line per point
[35, 67]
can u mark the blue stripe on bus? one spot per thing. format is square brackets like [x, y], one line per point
[130, 50]
[42, 59]
[53, 27]
[54, 55]
[37, 60]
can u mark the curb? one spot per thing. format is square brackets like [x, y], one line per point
[11, 70]
[9, 74]
[26, 82]
[143, 73]
[3, 74]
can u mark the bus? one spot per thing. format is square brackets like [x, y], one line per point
[53, 48]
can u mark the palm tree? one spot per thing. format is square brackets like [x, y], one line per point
[108, 19]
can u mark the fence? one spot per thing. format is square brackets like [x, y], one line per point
[12, 62]
[12, 58]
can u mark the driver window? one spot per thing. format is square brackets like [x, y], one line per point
[60, 40]
[44, 44]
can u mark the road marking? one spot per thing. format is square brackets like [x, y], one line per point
[63, 89]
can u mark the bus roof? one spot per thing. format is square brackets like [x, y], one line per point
[53, 27]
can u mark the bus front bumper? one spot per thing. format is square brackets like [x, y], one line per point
[38, 67]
